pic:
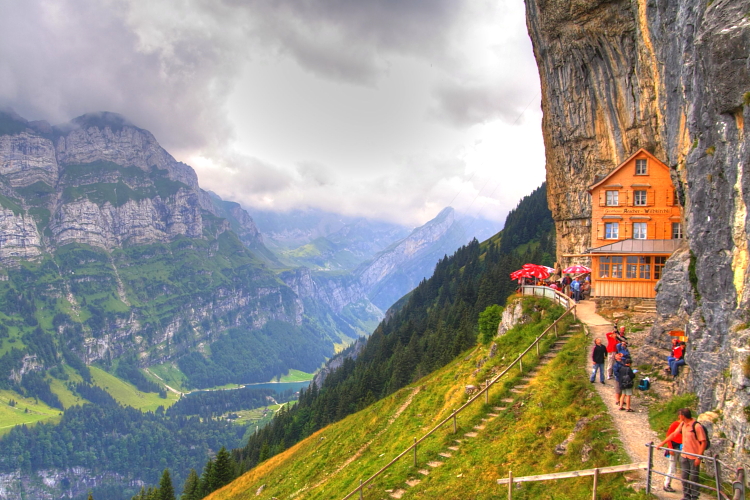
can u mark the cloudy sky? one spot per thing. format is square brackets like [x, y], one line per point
[390, 109]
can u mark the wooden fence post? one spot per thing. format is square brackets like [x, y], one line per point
[596, 482]
[717, 471]
[537, 347]
[360, 489]
[487, 393]
[415, 452]
[510, 485]
[455, 428]
[520, 363]
[555, 330]
[739, 485]
[650, 466]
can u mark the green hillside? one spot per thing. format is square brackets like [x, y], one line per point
[521, 437]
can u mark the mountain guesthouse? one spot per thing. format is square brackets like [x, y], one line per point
[636, 224]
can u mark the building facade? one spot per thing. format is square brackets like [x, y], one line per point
[636, 224]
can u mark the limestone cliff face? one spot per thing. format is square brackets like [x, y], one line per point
[672, 77]
[104, 182]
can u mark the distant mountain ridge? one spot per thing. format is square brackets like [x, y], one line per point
[105, 231]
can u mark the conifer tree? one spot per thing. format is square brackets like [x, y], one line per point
[191, 489]
[208, 479]
[91, 496]
[166, 490]
[223, 468]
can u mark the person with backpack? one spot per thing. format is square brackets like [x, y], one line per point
[627, 381]
[673, 454]
[616, 371]
[611, 350]
[694, 442]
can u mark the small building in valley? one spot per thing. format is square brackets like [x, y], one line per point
[636, 224]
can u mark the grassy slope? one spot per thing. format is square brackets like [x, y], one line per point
[127, 394]
[296, 376]
[12, 416]
[522, 440]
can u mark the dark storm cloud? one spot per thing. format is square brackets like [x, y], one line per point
[350, 40]
[169, 66]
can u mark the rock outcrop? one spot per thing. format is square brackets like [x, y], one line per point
[674, 78]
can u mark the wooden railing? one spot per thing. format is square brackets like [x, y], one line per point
[570, 309]
[719, 487]
[549, 293]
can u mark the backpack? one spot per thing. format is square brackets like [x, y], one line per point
[644, 384]
[626, 380]
[708, 441]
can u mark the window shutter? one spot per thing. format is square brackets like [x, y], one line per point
[670, 198]
[599, 231]
[602, 198]
[651, 231]
[625, 230]
[650, 202]
[629, 197]
[623, 197]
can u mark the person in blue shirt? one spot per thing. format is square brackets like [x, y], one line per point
[576, 288]
[622, 348]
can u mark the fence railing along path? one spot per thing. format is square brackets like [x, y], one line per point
[555, 296]
[724, 490]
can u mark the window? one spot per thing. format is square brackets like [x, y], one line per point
[631, 268]
[659, 266]
[604, 267]
[612, 230]
[639, 230]
[613, 198]
[641, 168]
[676, 231]
[644, 271]
[617, 267]
[640, 198]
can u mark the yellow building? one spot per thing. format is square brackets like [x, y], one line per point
[636, 224]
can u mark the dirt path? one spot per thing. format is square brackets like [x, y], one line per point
[633, 428]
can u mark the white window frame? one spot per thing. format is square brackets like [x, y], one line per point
[641, 167]
[640, 231]
[640, 198]
[677, 233]
[613, 198]
[611, 230]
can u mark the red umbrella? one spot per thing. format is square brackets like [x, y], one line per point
[521, 273]
[576, 269]
[537, 271]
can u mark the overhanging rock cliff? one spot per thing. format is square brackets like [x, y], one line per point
[672, 77]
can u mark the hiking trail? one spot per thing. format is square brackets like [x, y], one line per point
[633, 428]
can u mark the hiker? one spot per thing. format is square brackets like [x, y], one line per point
[679, 359]
[616, 370]
[575, 286]
[611, 350]
[627, 381]
[566, 281]
[585, 290]
[673, 455]
[598, 355]
[694, 442]
[621, 334]
[622, 348]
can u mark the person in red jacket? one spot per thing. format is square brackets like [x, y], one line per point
[611, 350]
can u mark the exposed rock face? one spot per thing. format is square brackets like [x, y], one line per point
[512, 315]
[158, 198]
[333, 364]
[672, 77]
[27, 158]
